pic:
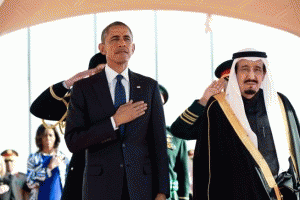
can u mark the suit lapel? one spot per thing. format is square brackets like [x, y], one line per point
[135, 87]
[135, 95]
[103, 93]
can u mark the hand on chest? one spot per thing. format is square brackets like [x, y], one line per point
[102, 103]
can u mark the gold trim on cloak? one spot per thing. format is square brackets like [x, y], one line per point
[242, 134]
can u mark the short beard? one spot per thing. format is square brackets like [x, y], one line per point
[250, 91]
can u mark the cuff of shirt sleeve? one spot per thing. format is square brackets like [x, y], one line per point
[113, 123]
[64, 84]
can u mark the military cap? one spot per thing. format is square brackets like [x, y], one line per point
[223, 68]
[9, 154]
[96, 60]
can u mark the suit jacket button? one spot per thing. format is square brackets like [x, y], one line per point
[121, 165]
[123, 145]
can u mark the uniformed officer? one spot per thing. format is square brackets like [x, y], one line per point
[187, 117]
[15, 180]
[178, 161]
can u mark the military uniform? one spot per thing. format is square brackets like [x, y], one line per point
[190, 115]
[18, 189]
[178, 167]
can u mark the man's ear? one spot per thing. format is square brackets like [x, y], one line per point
[264, 76]
[133, 48]
[102, 49]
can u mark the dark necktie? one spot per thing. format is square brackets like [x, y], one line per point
[120, 99]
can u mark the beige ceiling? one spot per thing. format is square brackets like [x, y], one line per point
[281, 14]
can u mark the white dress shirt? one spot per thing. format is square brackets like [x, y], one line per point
[111, 76]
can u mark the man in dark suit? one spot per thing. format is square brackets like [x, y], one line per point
[117, 117]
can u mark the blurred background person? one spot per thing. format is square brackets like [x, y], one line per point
[51, 105]
[15, 180]
[47, 168]
[178, 160]
[3, 187]
[191, 158]
[2, 167]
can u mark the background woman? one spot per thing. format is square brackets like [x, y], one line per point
[47, 168]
